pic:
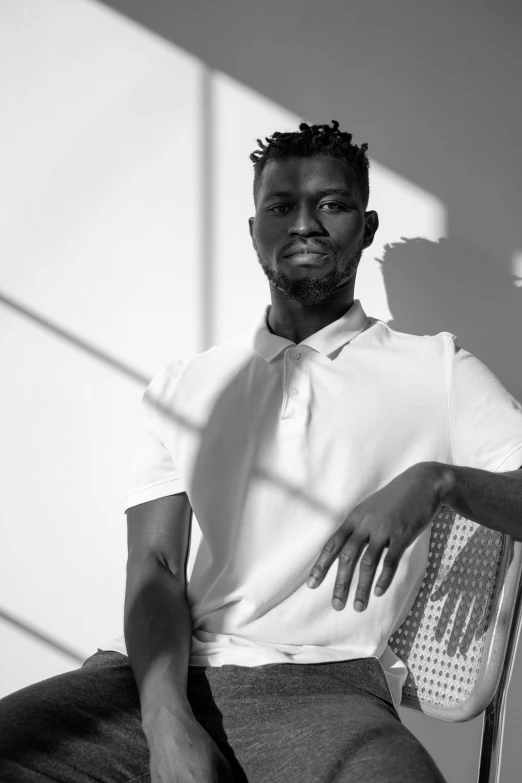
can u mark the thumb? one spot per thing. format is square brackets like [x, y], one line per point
[225, 774]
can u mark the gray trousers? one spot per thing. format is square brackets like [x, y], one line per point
[288, 723]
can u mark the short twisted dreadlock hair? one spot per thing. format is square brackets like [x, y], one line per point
[309, 142]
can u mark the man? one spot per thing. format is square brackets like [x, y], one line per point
[320, 436]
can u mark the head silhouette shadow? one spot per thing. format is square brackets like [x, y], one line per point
[449, 286]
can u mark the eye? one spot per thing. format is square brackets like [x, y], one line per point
[278, 206]
[333, 204]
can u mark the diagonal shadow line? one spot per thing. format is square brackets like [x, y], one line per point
[293, 489]
[296, 492]
[47, 640]
[78, 342]
[207, 263]
[143, 379]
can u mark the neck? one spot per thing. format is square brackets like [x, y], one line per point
[295, 321]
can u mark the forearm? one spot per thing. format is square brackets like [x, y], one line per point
[158, 633]
[491, 499]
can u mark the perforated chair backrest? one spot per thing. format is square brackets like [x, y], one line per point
[455, 637]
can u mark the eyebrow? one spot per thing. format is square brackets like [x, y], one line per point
[325, 192]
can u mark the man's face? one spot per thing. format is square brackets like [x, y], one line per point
[310, 226]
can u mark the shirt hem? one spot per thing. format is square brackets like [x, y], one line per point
[158, 490]
[511, 459]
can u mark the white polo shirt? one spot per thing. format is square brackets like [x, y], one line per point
[274, 443]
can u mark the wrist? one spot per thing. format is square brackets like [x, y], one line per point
[444, 480]
[156, 717]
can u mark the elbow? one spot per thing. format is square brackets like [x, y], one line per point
[151, 564]
[173, 570]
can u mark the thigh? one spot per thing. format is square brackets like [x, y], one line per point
[328, 740]
[77, 727]
[304, 726]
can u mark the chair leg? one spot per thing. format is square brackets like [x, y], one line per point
[492, 735]
[493, 729]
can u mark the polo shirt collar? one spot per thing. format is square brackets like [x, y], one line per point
[325, 341]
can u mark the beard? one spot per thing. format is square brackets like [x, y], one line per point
[312, 290]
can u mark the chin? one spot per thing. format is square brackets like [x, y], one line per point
[308, 300]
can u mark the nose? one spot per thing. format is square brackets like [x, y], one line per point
[305, 223]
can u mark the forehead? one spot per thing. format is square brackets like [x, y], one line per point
[306, 175]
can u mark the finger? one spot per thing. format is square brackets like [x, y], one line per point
[348, 557]
[326, 557]
[225, 774]
[369, 562]
[389, 567]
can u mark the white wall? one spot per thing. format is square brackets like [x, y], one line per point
[116, 146]
[101, 226]
[124, 198]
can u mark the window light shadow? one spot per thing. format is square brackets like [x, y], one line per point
[35, 633]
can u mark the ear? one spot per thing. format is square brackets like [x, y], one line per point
[372, 224]
[251, 229]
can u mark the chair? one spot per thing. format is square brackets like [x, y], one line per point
[460, 636]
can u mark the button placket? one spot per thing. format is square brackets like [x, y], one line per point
[295, 376]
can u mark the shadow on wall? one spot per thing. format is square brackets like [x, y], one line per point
[446, 286]
[450, 126]
[40, 636]
[431, 87]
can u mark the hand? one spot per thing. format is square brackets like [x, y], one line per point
[392, 517]
[181, 751]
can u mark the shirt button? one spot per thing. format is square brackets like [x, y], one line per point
[295, 354]
[294, 392]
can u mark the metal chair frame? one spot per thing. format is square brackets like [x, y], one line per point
[490, 691]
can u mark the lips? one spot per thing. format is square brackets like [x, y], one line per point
[306, 250]
[311, 259]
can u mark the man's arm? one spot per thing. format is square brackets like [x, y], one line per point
[157, 619]
[158, 634]
[491, 499]
[394, 516]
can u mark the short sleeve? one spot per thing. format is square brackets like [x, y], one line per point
[485, 419]
[153, 472]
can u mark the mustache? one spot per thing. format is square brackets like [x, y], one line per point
[304, 247]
